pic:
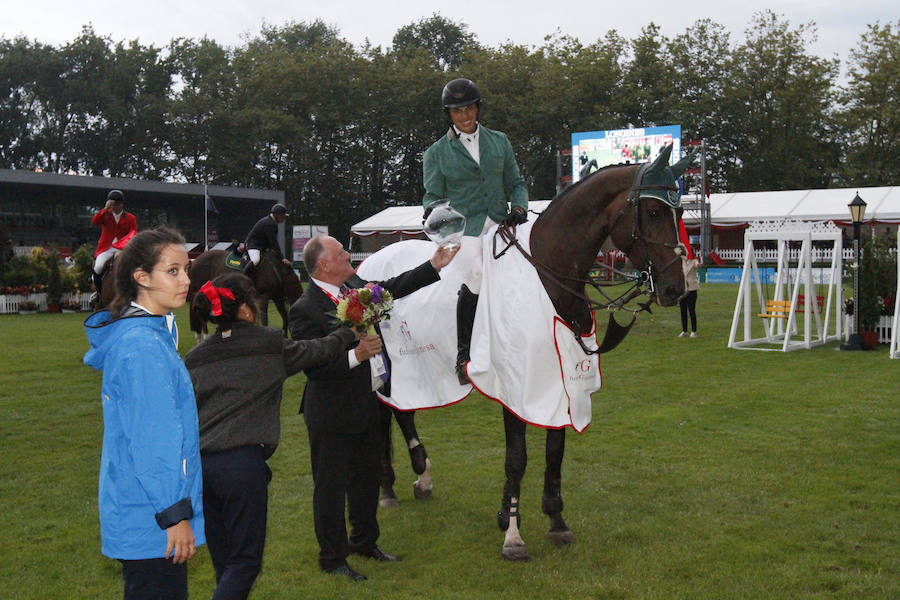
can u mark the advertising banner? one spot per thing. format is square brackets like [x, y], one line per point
[301, 235]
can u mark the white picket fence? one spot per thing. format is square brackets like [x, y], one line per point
[10, 303]
[770, 255]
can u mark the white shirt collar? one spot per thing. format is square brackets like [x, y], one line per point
[468, 137]
[330, 288]
[470, 142]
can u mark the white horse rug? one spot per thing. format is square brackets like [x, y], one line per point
[522, 354]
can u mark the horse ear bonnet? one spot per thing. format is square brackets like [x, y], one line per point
[659, 173]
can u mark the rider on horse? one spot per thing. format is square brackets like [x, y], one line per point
[264, 235]
[475, 169]
[118, 226]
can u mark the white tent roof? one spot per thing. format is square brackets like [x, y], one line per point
[883, 204]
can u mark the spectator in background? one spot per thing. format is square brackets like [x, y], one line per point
[688, 302]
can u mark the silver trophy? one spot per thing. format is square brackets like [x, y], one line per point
[444, 226]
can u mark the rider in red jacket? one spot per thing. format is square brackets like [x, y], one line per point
[118, 227]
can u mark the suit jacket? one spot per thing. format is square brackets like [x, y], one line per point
[337, 398]
[124, 230]
[476, 189]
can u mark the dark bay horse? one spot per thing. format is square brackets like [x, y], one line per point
[272, 279]
[636, 206]
[107, 292]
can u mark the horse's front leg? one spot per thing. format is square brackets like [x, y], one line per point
[551, 501]
[264, 311]
[281, 305]
[423, 487]
[509, 518]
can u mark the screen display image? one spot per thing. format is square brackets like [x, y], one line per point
[592, 150]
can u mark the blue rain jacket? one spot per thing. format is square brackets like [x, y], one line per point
[150, 476]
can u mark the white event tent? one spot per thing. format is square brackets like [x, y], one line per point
[739, 208]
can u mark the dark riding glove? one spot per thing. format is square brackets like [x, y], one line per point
[427, 212]
[516, 216]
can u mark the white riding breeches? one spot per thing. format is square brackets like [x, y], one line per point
[253, 253]
[102, 258]
[470, 260]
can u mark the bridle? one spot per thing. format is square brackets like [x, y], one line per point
[615, 332]
[634, 200]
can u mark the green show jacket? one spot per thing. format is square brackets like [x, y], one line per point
[476, 190]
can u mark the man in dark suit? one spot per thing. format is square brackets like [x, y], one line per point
[341, 410]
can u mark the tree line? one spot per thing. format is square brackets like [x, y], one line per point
[342, 129]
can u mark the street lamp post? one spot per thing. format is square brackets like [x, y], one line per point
[857, 213]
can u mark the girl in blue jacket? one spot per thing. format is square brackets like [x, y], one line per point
[151, 512]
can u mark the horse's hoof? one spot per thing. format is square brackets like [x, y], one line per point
[388, 499]
[388, 503]
[516, 553]
[420, 493]
[561, 538]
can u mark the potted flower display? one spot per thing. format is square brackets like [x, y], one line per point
[27, 307]
[70, 306]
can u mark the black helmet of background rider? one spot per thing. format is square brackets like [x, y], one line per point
[458, 93]
[116, 196]
[279, 210]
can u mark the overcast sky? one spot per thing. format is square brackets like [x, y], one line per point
[839, 23]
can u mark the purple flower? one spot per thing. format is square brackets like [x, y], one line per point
[376, 294]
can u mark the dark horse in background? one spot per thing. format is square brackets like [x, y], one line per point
[107, 292]
[272, 279]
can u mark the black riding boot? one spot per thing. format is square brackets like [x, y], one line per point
[98, 288]
[465, 319]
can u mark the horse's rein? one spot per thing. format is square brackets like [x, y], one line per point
[508, 235]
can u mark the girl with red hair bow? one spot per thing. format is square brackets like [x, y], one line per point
[238, 374]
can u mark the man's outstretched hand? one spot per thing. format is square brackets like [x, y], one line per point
[442, 257]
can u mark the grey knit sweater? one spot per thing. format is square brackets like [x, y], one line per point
[238, 375]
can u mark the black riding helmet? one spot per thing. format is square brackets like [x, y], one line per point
[458, 93]
[116, 196]
[280, 209]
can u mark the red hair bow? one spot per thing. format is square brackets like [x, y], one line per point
[214, 295]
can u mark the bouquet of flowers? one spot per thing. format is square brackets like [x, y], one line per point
[365, 307]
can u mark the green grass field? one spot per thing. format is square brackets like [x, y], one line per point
[706, 473]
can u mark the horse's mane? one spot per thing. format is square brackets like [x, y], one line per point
[560, 198]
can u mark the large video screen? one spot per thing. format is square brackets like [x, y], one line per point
[614, 146]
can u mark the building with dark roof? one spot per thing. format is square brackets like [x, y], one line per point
[44, 209]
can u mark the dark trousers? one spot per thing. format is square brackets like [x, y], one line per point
[154, 579]
[689, 305]
[235, 505]
[346, 470]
